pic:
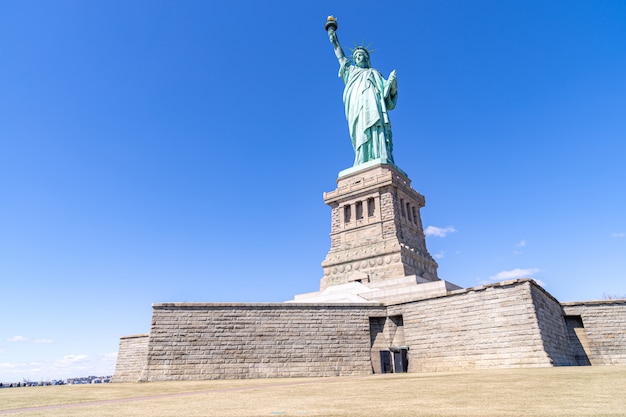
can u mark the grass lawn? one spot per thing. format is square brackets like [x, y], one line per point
[565, 391]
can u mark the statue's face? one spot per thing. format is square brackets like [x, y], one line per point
[360, 59]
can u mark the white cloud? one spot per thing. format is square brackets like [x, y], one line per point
[25, 339]
[439, 231]
[439, 255]
[620, 234]
[514, 274]
[7, 365]
[17, 339]
[521, 244]
[72, 359]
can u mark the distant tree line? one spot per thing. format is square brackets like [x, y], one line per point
[606, 296]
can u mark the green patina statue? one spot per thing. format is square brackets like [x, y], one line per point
[367, 98]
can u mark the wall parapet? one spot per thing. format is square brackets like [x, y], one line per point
[279, 306]
[594, 303]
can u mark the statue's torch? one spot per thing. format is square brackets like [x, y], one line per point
[331, 24]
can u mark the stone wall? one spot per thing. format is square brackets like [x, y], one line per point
[554, 333]
[199, 341]
[131, 358]
[492, 326]
[503, 325]
[602, 330]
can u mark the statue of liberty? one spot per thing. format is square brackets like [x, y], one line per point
[367, 98]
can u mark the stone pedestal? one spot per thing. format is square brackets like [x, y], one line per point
[376, 228]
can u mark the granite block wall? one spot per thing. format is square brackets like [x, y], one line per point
[554, 333]
[132, 356]
[199, 341]
[493, 326]
[602, 330]
[503, 325]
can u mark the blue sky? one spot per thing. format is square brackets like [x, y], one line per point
[157, 151]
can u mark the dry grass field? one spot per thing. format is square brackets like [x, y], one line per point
[570, 391]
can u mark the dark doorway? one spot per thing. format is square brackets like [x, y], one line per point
[385, 362]
[400, 361]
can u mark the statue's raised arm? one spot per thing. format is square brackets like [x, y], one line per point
[331, 27]
[367, 98]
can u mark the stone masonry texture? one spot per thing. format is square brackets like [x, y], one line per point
[493, 326]
[551, 322]
[131, 358]
[604, 328]
[376, 229]
[231, 341]
[509, 324]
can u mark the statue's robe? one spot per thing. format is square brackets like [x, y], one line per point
[367, 98]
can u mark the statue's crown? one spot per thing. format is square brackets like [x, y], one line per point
[362, 48]
[359, 48]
